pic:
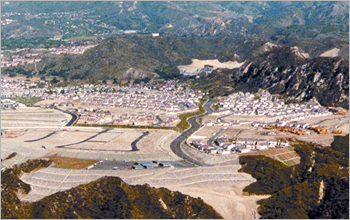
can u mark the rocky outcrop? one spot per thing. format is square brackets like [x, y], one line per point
[133, 74]
[288, 71]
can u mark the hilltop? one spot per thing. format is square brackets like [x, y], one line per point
[282, 22]
[108, 197]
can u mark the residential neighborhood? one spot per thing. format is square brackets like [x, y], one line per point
[281, 114]
[144, 104]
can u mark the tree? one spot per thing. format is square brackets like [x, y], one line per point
[54, 80]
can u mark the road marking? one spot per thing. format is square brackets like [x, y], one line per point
[63, 133]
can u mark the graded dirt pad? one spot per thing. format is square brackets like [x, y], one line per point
[220, 186]
[33, 117]
[123, 141]
[248, 118]
[210, 117]
[151, 142]
[199, 64]
[210, 158]
[206, 131]
[114, 144]
[224, 200]
[12, 134]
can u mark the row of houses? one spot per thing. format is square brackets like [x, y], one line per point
[166, 99]
[36, 57]
[241, 145]
[266, 105]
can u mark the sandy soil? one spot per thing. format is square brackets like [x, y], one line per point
[33, 117]
[223, 188]
[331, 53]
[231, 204]
[199, 64]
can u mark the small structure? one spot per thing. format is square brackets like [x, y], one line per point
[137, 167]
[147, 165]
[165, 164]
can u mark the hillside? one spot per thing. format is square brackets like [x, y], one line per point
[285, 71]
[108, 197]
[289, 23]
[139, 57]
[316, 188]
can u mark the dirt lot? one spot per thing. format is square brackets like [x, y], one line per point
[33, 117]
[80, 143]
[249, 118]
[199, 64]
[221, 186]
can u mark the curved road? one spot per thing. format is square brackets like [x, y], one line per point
[175, 145]
[73, 120]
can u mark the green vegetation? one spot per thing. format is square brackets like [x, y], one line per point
[23, 42]
[183, 125]
[12, 186]
[215, 106]
[28, 101]
[289, 162]
[271, 174]
[11, 156]
[295, 190]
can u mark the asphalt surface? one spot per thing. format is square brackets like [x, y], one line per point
[210, 142]
[133, 144]
[73, 120]
[111, 164]
[175, 145]
[54, 132]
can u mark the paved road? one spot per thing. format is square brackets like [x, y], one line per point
[133, 144]
[54, 132]
[175, 145]
[73, 120]
[210, 142]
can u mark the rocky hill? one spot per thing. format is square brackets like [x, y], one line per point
[108, 197]
[287, 72]
[290, 23]
[139, 57]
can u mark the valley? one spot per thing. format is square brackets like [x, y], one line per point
[150, 110]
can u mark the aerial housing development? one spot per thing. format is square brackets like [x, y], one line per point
[174, 110]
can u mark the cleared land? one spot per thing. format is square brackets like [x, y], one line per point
[196, 65]
[72, 163]
[114, 144]
[33, 117]
[285, 155]
[212, 184]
